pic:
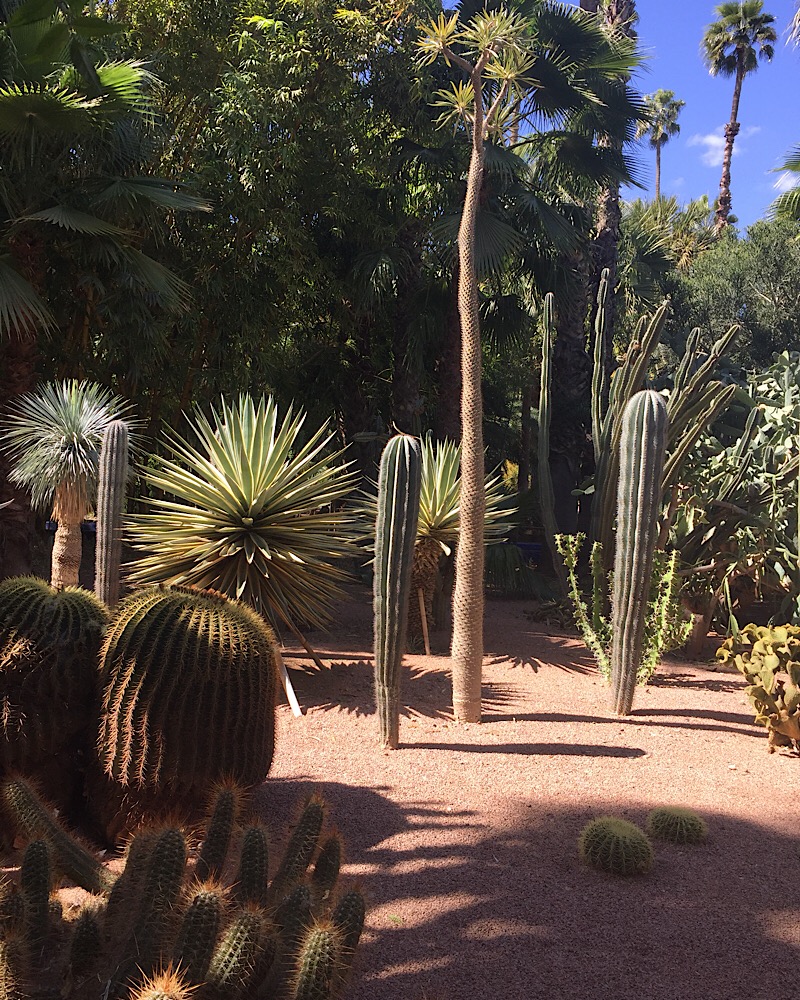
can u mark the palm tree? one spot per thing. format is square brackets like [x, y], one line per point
[52, 437]
[787, 204]
[794, 27]
[662, 125]
[732, 46]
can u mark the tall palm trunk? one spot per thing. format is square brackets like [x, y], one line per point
[731, 131]
[448, 371]
[467, 648]
[658, 171]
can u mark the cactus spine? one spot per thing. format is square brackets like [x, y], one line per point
[110, 496]
[645, 425]
[317, 962]
[399, 481]
[35, 881]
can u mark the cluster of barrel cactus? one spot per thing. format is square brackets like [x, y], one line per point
[617, 846]
[158, 929]
[769, 658]
[139, 705]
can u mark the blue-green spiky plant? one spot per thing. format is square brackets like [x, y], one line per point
[395, 533]
[642, 448]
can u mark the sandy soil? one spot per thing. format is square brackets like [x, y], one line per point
[465, 839]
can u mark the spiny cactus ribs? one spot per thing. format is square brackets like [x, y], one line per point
[155, 931]
[188, 690]
[110, 499]
[615, 845]
[49, 641]
[676, 825]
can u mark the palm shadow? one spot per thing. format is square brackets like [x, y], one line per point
[459, 909]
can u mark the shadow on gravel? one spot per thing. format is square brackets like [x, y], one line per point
[551, 749]
[636, 719]
[458, 912]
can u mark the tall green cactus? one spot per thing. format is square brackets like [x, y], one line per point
[546, 496]
[645, 426]
[49, 641]
[110, 496]
[399, 482]
[188, 680]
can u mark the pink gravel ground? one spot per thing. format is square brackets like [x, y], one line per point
[465, 839]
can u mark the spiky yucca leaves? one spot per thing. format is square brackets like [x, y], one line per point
[677, 825]
[48, 676]
[157, 937]
[439, 520]
[188, 692]
[249, 512]
[615, 845]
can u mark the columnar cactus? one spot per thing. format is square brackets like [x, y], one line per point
[48, 678]
[395, 533]
[188, 690]
[160, 935]
[110, 497]
[642, 448]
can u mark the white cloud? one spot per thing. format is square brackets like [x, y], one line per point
[786, 182]
[677, 183]
[713, 144]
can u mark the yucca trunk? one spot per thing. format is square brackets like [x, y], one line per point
[731, 131]
[424, 572]
[467, 647]
[69, 509]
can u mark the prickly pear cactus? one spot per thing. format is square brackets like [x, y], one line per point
[188, 690]
[769, 659]
[615, 845]
[49, 641]
[156, 933]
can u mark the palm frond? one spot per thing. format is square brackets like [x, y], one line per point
[75, 221]
[129, 192]
[21, 307]
[251, 511]
[31, 107]
[157, 281]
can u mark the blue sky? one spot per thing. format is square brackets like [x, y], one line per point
[670, 32]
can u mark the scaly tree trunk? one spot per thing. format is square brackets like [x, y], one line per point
[658, 171]
[69, 509]
[731, 131]
[467, 649]
[448, 373]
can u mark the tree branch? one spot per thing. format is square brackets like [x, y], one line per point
[468, 68]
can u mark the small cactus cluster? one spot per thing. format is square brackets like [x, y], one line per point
[615, 845]
[49, 640]
[620, 847]
[769, 659]
[676, 825]
[158, 931]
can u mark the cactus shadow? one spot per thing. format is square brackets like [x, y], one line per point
[513, 913]
[708, 721]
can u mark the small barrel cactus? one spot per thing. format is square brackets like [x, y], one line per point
[642, 448]
[677, 825]
[615, 845]
[49, 641]
[188, 690]
[399, 483]
[112, 480]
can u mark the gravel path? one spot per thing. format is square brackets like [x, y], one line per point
[465, 839]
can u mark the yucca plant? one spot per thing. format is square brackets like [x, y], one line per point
[52, 437]
[439, 521]
[249, 511]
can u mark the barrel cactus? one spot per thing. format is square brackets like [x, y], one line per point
[395, 533]
[615, 845]
[676, 825]
[188, 682]
[642, 449]
[49, 640]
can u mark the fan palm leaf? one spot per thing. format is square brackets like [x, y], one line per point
[249, 511]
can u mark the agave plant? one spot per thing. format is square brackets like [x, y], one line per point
[250, 512]
[439, 520]
[53, 437]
